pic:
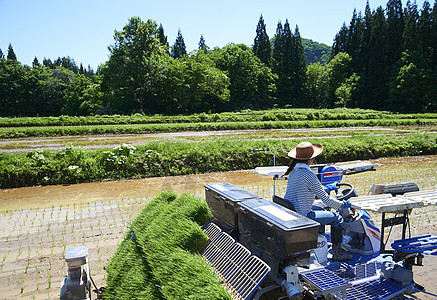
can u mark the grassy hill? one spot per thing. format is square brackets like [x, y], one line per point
[316, 52]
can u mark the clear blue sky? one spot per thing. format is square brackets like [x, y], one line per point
[83, 29]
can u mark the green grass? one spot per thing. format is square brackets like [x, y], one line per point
[264, 119]
[294, 114]
[48, 131]
[157, 159]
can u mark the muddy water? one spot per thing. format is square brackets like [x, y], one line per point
[47, 196]
[392, 170]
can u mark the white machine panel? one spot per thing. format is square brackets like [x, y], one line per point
[271, 171]
[429, 197]
[351, 166]
[384, 203]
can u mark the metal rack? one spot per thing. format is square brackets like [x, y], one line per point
[241, 271]
[386, 203]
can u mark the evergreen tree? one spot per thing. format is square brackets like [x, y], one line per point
[393, 54]
[410, 36]
[179, 50]
[348, 39]
[340, 39]
[35, 63]
[58, 62]
[161, 36]
[363, 57]
[394, 32]
[376, 83]
[365, 39]
[353, 36]
[277, 48]
[1, 54]
[299, 66]
[283, 63]
[356, 41]
[431, 53]
[47, 63]
[202, 44]
[11, 53]
[426, 43]
[287, 48]
[90, 71]
[261, 46]
[433, 40]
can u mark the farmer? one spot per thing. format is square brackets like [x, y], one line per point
[303, 187]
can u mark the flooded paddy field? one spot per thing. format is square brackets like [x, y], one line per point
[94, 142]
[37, 224]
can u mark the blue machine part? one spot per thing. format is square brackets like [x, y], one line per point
[426, 244]
[330, 174]
[354, 272]
[365, 283]
[326, 281]
[377, 289]
[371, 225]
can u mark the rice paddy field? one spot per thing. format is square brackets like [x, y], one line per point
[35, 234]
[93, 142]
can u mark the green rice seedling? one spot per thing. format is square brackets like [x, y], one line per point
[180, 209]
[154, 208]
[21, 282]
[165, 235]
[191, 206]
[20, 248]
[27, 267]
[165, 226]
[188, 276]
[128, 274]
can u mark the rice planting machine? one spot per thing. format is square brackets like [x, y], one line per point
[262, 249]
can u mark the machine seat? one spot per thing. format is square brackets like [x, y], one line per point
[281, 201]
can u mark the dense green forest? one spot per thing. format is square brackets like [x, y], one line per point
[385, 59]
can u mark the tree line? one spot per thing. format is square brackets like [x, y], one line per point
[385, 59]
[393, 56]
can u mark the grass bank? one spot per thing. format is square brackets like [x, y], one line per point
[265, 119]
[295, 114]
[19, 132]
[157, 159]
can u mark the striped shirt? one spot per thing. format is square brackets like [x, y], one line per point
[302, 188]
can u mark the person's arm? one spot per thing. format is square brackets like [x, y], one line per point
[317, 188]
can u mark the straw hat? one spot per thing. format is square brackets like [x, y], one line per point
[305, 151]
